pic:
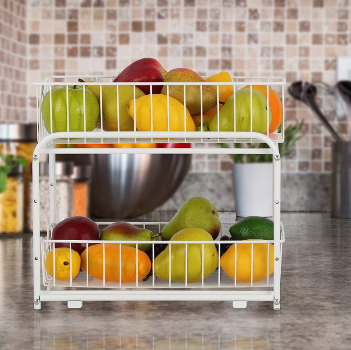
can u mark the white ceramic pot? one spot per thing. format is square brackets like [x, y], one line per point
[253, 189]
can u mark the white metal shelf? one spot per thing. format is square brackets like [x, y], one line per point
[46, 289]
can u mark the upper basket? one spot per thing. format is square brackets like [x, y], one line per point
[159, 112]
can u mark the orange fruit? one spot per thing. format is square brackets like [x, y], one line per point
[206, 118]
[134, 145]
[243, 261]
[274, 104]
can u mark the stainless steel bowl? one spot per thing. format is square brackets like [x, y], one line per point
[130, 185]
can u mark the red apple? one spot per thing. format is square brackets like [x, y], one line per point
[174, 145]
[146, 70]
[75, 228]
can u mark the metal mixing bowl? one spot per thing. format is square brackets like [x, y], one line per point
[130, 185]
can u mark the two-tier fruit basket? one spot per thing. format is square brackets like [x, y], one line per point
[218, 286]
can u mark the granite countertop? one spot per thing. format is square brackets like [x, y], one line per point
[315, 304]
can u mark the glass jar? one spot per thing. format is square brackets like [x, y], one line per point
[64, 194]
[11, 203]
[20, 140]
[81, 187]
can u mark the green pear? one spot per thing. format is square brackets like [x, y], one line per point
[123, 231]
[58, 108]
[195, 212]
[194, 257]
[243, 113]
[109, 105]
[193, 101]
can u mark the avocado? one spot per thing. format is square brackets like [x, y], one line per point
[253, 227]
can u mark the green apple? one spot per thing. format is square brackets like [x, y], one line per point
[75, 109]
[109, 105]
[243, 113]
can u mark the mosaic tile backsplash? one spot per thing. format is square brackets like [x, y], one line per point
[299, 39]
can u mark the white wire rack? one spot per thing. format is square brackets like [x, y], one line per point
[217, 286]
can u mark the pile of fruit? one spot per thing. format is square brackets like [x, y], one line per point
[196, 220]
[121, 107]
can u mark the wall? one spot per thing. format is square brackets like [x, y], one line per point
[299, 39]
[13, 84]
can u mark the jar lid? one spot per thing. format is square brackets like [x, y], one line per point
[17, 170]
[81, 172]
[61, 169]
[18, 132]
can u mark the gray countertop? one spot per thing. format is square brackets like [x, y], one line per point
[315, 304]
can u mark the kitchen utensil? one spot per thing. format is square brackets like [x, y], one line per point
[306, 93]
[130, 185]
[341, 180]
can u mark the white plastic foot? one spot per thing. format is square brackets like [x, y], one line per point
[37, 304]
[276, 304]
[74, 304]
[240, 304]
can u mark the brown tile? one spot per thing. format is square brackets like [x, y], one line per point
[292, 13]
[59, 39]
[175, 39]
[162, 39]
[188, 38]
[226, 166]
[85, 51]
[317, 39]
[59, 64]
[304, 51]
[162, 13]
[73, 14]
[123, 39]
[111, 14]
[240, 3]
[149, 26]
[291, 39]
[215, 14]
[316, 77]
[278, 51]
[98, 51]
[85, 3]
[137, 26]
[279, 13]
[72, 38]
[240, 26]
[279, 3]
[330, 39]
[85, 39]
[214, 26]
[124, 3]
[188, 51]
[278, 26]
[343, 14]
[304, 166]
[200, 51]
[98, 14]
[189, 3]
[228, 3]
[72, 26]
[252, 39]
[266, 51]
[304, 64]
[34, 39]
[202, 13]
[111, 64]
[342, 26]
[72, 51]
[201, 26]
[290, 115]
[227, 39]
[33, 64]
[60, 14]
[316, 167]
[162, 3]
[60, 3]
[111, 51]
[278, 64]
[327, 166]
[175, 13]
[213, 64]
[150, 14]
[254, 14]
[226, 51]
[226, 64]
[342, 39]
[304, 26]
[318, 3]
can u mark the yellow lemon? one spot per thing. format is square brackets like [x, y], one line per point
[243, 261]
[62, 263]
[160, 115]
